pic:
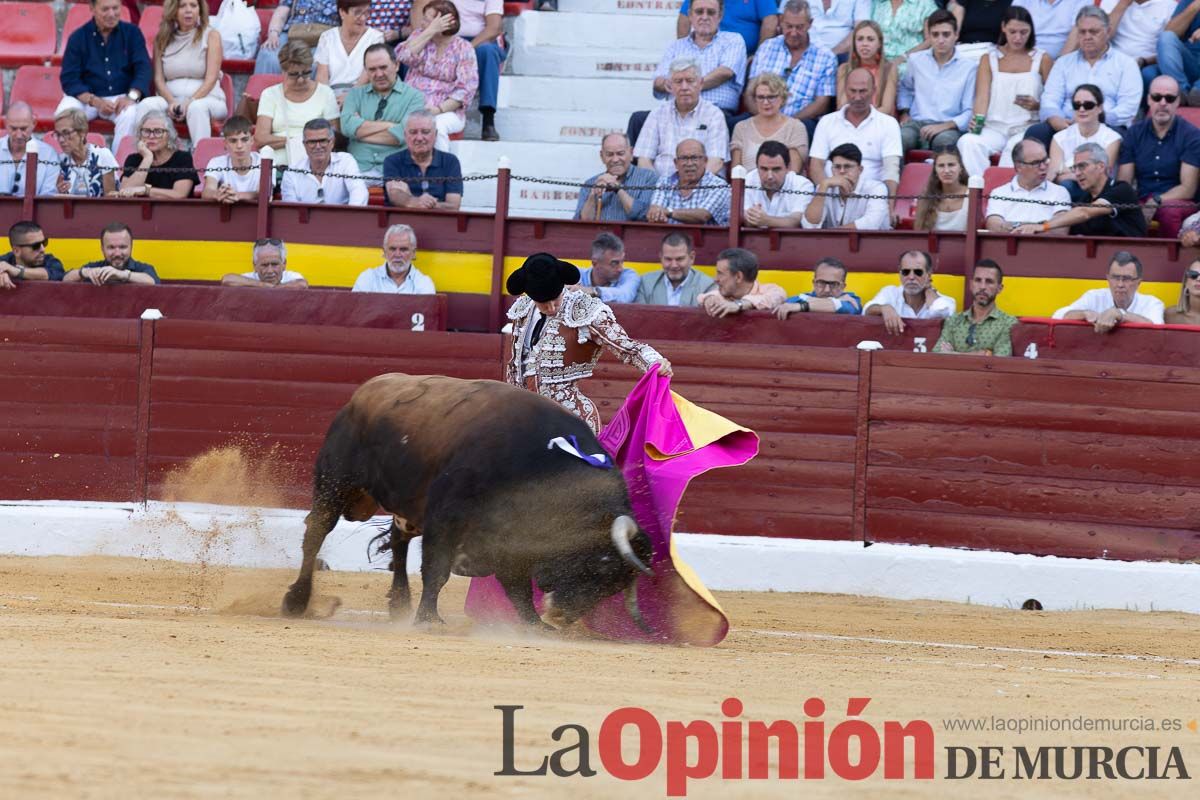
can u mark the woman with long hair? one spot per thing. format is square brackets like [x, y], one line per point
[1008, 91]
[943, 205]
[1088, 102]
[866, 52]
[1187, 310]
[187, 67]
[768, 94]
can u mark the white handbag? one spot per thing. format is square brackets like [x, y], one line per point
[240, 28]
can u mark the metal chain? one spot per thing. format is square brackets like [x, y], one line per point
[207, 170]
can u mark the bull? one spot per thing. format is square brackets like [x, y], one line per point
[466, 466]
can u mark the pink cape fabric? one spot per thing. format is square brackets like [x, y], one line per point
[650, 440]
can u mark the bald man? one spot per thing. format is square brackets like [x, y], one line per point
[16, 144]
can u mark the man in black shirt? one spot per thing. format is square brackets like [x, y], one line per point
[118, 265]
[1114, 210]
[28, 259]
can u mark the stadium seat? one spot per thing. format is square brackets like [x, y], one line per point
[257, 83]
[151, 17]
[125, 148]
[913, 178]
[28, 35]
[51, 139]
[993, 177]
[245, 66]
[203, 152]
[917, 156]
[512, 9]
[77, 17]
[42, 89]
[1191, 114]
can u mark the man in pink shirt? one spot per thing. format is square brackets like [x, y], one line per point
[737, 288]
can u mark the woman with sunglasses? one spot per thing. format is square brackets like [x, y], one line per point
[340, 50]
[1088, 127]
[767, 93]
[159, 169]
[943, 205]
[866, 52]
[285, 107]
[1187, 311]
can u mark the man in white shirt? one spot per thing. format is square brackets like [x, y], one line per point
[16, 145]
[396, 275]
[766, 206]
[914, 298]
[877, 135]
[848, 199]
[323, 176]
[1107, 308]
[270, 268]
[1137, 25]
[1006, 210]
[833, 22]
[234, 176]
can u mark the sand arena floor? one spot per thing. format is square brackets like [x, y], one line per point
[141, 678]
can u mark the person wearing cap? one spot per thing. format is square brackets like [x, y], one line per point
[559, 333]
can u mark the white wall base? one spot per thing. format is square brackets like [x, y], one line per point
[224, 535]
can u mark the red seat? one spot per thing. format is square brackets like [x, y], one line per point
[205, 151]
[243, 66]
[917, 156]
[125, 148]
[992, 178]
[256, 84]
[913, 179]
[51, 139]
[512, 9]
[1191, 114]
[41, 87]
[78, 16]
[28, 34]
[151, 18]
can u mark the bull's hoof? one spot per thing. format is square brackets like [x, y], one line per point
[295, 602]
[428, 621]
[399, 609]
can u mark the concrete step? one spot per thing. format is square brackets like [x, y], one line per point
[606, 32]
[569, 127]
[570, 162]
[647, 8]
[583, 62]
[572, 94]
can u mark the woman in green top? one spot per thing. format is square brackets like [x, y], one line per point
[903, 23]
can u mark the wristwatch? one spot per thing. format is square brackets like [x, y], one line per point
[670, 213]
[134, 95]
[803, 304]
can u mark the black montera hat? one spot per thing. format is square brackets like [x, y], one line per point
[542, 277]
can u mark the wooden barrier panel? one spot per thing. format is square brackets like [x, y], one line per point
[1130, 342]
[68, 408]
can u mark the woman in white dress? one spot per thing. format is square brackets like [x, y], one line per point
[1088, 102]
[1008, 89]
[187, 68]
[340, 50]
[943, 205]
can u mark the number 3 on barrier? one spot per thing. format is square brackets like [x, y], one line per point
[418, 322]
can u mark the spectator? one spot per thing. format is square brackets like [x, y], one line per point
[775, 197]
[1138, 25]
[1162, 154]
[623, 191]
[720, 56]
[396, 275]
[754, 21]
[836, 21]
[28, 259]
[85, 169]
[944, 204]
[270, 268]
[305, 23]
[1008, 87]
[340, 50]
[1054, 20]
[118, 264]
[914, 298]
[1028, 198]
[187, 68]
[982, 329]
[1088, 103]
[18, 141]
[692, 195]
[1189, 233]
[828, 295]
[1179, 50]
[158, 169]
[1113, 208]
[903, 24]
[373, 115]
[284, 108]
[482, 23]
[421, 176]
[767, 93]
[848, 198]
[323, 176]
[876, 135]
[441, 66]
[1120, 302]
[391, 18]
[809, 70]
[106, 69]
[678, 283]
[937, 90]
[1094, 62]
[868, 54]
[686, 115]
[1184, 313]
[980, 22]
[737, 286]
[234, 177]
[608, 278]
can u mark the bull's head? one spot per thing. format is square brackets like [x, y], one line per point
[575, 584]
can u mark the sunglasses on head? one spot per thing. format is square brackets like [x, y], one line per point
[1164, 98]
[918, 271]
[1192, 274]
[1083, 105]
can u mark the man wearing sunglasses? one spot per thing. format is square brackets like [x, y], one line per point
[1121, 302]
[1162, 155]
[373, 115]
[28, 259]
[914, 298]
[982, 329]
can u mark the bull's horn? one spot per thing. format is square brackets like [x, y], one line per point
[623, 530]
[631, 605]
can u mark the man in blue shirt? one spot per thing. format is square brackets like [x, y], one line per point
[937, 91]
[608, 278]
[754, 20]
[106, 70]
[420, 176]
[615, 195]
[1179, 49]
[810, 71]
[828, 295]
